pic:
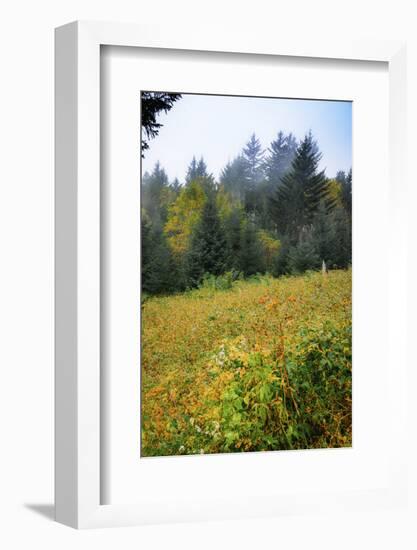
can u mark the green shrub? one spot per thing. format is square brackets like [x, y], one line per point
[221, 282]
[303, 257]
[302, 400]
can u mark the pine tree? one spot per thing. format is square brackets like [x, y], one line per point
[155, 197]
[233, 178]
[233, 228]
[324, 236]
[271, 169]
[332, 237]
[346, 183]
[146, 251]
[208, 249]
[202, 169]
[251, 260]
[297, 198]
[280, 155]
[191, 171]
[158, 268]
[253, 157]
[196, 170]
[153, 103]
[342, 224]
[341, 177]
[303, 255]
[176, 186]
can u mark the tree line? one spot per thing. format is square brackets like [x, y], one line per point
[270, 211]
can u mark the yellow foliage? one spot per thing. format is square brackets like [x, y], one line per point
[335, 191]
[223, 203]
[183, 215]
[271, 247]
[188, 339]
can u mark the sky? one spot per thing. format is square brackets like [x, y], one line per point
[218, 127]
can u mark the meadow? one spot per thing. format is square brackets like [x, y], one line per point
[249, 365]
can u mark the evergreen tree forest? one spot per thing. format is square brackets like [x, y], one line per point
[272, 210]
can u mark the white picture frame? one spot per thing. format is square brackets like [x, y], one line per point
[77, 409]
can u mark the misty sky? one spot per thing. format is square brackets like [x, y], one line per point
[217, 127]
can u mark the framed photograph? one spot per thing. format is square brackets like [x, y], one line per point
[229, 335]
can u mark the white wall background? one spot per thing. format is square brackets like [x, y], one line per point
[26, 268]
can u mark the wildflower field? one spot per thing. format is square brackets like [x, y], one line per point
[263, 364]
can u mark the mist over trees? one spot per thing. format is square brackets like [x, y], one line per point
[271, 210]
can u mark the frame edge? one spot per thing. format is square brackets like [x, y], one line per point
[66, 345]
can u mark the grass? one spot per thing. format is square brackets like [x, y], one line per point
[265, 365]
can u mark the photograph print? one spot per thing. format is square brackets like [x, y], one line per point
[246, 274]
